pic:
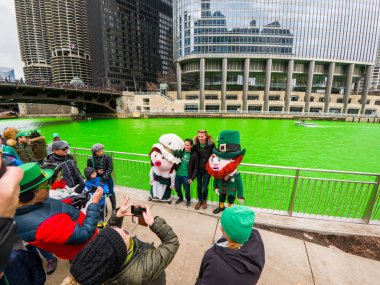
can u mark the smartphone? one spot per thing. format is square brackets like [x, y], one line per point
[137, 210]
[139, 221]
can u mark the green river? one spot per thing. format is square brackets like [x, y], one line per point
[330, 145]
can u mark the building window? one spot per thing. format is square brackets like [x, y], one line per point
[294, 98]
[233, 108]
[353, 111]
[255, 108]
[192, 97]
[366, 102]
[212, 108]
[370, 112]
[255, 97]
[296, 109]
[191, 108]
[211, 97]
[335, 110]
[231, 97]
[377, 102]
[274, 98]
[321, 99]
[311, 99]
[275, 109]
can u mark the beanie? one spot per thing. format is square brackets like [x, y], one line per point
[237, 223]
[88, 171]
[59, 145]
[96, 147]
[100, 259]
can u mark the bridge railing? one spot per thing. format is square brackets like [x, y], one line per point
[300, 192]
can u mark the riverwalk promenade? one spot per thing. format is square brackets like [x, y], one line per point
[288, 260]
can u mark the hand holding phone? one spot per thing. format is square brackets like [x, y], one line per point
[137, 210]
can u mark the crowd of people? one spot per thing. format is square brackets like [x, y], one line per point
[49, 208]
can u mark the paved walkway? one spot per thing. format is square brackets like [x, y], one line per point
[288, 260]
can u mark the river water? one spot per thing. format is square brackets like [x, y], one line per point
[330, 145]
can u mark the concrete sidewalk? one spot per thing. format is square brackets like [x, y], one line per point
[288, 260]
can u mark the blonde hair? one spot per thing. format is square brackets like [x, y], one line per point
[69, 280]
[208, 137]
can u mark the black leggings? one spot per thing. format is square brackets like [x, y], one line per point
[230, 198]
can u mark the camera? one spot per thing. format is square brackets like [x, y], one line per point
[137, 210]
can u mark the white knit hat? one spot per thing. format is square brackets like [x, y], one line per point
[171, 147]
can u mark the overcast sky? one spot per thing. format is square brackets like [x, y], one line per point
[9, 46]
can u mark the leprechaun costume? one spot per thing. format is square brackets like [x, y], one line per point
[222, 165]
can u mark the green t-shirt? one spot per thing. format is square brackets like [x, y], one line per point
[184, 165]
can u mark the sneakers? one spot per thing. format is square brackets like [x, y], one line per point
[218, 210]
[51, 266]
[198, 205]
[204, 205]
[178, 201]
[188, 203]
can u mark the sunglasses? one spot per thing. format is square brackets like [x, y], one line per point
[66, 148]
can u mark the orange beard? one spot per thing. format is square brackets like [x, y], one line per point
[228, 169]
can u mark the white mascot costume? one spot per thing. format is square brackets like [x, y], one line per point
[165, 157]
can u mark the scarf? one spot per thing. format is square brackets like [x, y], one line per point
[58, 185]
[130, 252]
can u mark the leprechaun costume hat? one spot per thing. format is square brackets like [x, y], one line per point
[34, 175]
[228, 145]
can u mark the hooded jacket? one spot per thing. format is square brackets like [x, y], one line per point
[222, 265]
[70, 171]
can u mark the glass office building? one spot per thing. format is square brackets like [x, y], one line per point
[265, 48]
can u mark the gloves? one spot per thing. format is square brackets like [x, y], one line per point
[79, 201]
[217, 191]
[79, 188]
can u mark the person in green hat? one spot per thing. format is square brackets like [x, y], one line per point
[55, 137]
[38, 145]
[222, 165]
[53, 225]
[23, 148]
[239, 256]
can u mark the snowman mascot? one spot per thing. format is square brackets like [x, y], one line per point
[165, 157]
[222, 165]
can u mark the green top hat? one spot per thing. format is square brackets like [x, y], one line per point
[55, 135]
[228, 145]
[34, 175]
[22, 134]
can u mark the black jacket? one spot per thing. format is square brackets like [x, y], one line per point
[203, 153]
[101, 162]
[221, 265]
[70, 171]
[193, 165]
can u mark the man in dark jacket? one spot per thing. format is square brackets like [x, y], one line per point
[49, 224]
[203, 145]
[70, 171]
[238, 257]
[103, 165]
[114, 257]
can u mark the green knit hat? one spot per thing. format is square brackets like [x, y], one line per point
[23, 134]
[228, 145]
[237, 223]
[55, 135]
[34, 175]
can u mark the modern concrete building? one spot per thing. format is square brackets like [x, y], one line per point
[131, 42]
[32, 35]
[274, 55]
[54, 40]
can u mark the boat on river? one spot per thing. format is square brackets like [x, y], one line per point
[304, 124]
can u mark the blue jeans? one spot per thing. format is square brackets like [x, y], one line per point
[203, 178]
[45, 254]
[179, 180]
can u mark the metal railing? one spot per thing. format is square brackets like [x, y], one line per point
[300, 192]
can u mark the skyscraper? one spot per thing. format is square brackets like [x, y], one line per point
[54, 40]
[131, 41]
[32, 35]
